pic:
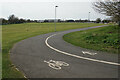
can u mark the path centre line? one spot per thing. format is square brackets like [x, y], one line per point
[80, 57]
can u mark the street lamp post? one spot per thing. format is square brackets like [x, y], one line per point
[89, 16]
[55, 17]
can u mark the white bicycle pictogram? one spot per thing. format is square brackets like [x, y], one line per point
[56, 64]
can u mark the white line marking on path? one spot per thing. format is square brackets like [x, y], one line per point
[56, 64]
[17, 69]
[85, 52]
[80, 57]
[25, 77]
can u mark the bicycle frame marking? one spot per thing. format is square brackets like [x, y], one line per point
[56, 64]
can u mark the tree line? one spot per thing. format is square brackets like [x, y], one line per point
[12, 19]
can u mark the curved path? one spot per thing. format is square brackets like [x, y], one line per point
[36, 56]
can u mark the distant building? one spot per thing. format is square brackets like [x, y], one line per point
[40, 21]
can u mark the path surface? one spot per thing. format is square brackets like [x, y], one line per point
[31, 56]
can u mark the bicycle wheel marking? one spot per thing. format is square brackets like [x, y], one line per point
[56, 64]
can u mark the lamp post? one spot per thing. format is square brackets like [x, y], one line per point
[55, 17]
[89, 16]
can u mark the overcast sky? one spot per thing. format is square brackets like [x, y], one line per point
[45, 9]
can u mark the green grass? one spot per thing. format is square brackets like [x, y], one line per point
[14, 33]
[101, 39]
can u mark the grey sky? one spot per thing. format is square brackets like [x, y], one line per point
[44, 9]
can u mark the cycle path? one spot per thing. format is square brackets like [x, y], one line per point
[29, 56]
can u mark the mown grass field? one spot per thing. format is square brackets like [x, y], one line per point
[14, 33]
[101, 39]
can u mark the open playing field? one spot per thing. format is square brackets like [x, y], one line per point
[101, 39]
[16, 32]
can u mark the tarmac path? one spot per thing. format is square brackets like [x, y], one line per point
[40, 56]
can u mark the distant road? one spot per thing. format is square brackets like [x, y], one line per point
[38, 57]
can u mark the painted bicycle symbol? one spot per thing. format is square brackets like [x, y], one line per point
[56, 64]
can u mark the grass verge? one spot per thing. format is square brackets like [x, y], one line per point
[101, 39]
[14, 33]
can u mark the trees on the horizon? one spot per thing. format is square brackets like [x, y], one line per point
[3, 21]
[106, 21]
[12, 19]
[98, 20]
